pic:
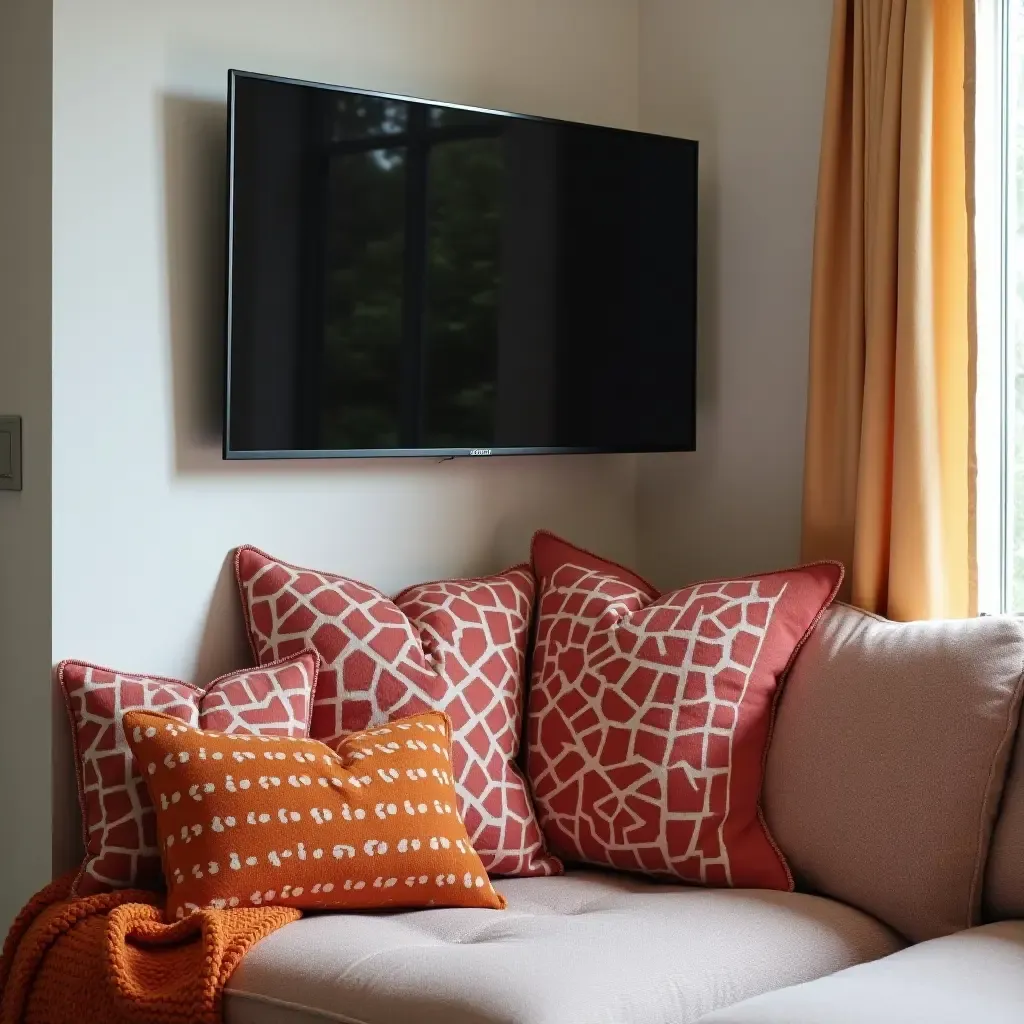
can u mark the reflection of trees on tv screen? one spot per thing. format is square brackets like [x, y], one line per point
[366, 336]
[363, 317]
[464, 247]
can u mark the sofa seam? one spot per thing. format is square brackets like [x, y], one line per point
[783, 679]
[79, 788]
[288, 1004]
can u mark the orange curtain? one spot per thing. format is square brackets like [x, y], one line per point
[888, 485]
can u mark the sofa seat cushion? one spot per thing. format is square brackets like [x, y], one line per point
[587, 947]
[973, 977]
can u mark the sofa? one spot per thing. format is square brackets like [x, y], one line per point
[894, 786]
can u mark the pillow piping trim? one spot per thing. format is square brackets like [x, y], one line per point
[653, 591]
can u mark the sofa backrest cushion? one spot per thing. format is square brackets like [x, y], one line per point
[888, 762]
[1004, 886]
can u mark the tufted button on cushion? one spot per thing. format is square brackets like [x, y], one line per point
[586, 948]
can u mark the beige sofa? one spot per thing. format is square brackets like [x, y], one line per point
[895, 787]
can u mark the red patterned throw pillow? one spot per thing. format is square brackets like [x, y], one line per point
[118, 822]
[457, 646]
[650, 714]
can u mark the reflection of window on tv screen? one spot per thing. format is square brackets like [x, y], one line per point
[408, 276]
[438, 238]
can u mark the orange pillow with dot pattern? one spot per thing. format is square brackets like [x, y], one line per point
[245, 820]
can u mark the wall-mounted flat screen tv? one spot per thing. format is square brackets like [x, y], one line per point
[417, 278]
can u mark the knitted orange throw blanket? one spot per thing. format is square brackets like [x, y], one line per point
[113, 958]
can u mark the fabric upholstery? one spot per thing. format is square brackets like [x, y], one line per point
[1004, 885]
[457, 646]
[258, 820]
[888, 763]
[586, 948]
[649, 714]
[118, 826]
[974, 977]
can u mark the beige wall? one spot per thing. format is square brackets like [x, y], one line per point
[25, 744]
[746, 78]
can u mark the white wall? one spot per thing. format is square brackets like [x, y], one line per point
[25, 741]
[746, 78]
[145, 510]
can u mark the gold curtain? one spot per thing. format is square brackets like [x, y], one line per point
[888, 485]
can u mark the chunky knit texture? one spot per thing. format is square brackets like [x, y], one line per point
[113, 958]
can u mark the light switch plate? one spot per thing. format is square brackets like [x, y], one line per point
[10, 453]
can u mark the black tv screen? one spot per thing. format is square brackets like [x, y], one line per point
[416, 278]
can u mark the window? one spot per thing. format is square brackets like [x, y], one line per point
[999, 226]
[1013, 361]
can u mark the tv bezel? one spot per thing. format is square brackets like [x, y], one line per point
[231, 455]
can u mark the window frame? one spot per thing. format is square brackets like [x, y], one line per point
[994, 278]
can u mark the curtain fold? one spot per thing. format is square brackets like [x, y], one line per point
[888, 486]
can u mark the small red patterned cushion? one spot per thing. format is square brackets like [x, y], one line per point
[457, 646]
[118, 822]
[650, 715]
